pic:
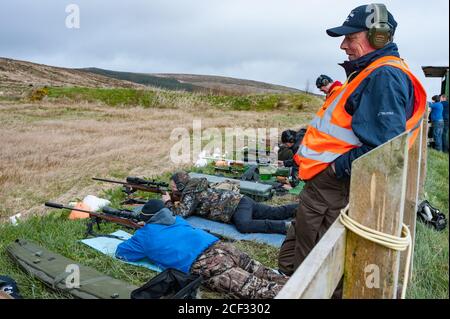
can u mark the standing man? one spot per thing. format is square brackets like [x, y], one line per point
[326, 84]
[290, 143]
[380, 100]
[437, 122]
[445, 116]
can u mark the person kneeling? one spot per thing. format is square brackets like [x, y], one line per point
[170, 242]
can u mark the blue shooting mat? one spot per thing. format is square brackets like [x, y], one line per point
[230, 231]
[108, 246]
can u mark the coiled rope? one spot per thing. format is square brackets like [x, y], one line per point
[383, 239]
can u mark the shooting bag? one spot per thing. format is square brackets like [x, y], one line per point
[63, 274]
[431, 216]
[169, 284]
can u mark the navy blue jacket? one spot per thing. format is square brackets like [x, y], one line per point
[445, 110]
[380, 106]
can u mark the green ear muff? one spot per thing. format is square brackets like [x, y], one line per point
[380, 33]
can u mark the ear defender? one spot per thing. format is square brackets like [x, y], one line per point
[380, 33]
[323, 80]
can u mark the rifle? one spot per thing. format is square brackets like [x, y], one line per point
[240, 163]
[134, 184]
[123, 217]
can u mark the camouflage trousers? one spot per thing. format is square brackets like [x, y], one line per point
[227, 269]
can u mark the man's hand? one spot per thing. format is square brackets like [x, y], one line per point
[280, 164]
[165, 197]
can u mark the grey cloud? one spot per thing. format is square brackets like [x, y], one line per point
[282, 42]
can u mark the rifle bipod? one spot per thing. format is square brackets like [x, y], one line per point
[90, 230]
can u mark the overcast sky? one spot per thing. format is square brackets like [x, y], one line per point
[277, 41]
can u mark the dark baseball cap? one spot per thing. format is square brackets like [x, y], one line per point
[359, 20]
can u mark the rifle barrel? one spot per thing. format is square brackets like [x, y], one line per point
[148, 186]
[59, 206]
[117, 219]
[108, 180]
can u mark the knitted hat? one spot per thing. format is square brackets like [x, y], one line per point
[151, 208]
[181, 179]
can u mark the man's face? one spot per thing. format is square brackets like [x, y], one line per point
[443, 98]
[173, 186]
[325, 89]
[356, 45]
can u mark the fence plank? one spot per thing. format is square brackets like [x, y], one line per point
[411, 200]
[319, 274]
[377, 196]
[424, 157]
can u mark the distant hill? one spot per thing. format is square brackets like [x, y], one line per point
[18, 76]
[15, 72]
[192, 82]
[145, 79]
[227, 85]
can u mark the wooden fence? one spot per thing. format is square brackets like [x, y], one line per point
[385, 187]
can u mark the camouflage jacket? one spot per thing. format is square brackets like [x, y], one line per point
[198, 198]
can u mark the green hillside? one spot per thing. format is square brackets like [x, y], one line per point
[145, 79]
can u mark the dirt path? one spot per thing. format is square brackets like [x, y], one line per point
[51, 151]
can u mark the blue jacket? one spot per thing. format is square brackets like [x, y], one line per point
[175, 246]
[380, 106]
[436, 112]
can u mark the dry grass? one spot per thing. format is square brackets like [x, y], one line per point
[50, 151]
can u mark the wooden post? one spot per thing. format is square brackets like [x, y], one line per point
[377, 197]
[424, 157]
[412, 197]
[319, 274]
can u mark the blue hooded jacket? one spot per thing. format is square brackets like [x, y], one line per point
[167, 246]
[380, 106]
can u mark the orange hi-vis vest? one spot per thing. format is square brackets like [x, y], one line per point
[330, 134]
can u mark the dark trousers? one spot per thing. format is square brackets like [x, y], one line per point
[321, 200]
[445, 137]
[253, 217]
[438, 129]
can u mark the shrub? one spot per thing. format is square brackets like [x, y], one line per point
[38, 94]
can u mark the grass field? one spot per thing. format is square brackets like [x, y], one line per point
[51, 149]
[57, 233]
[170, 99]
